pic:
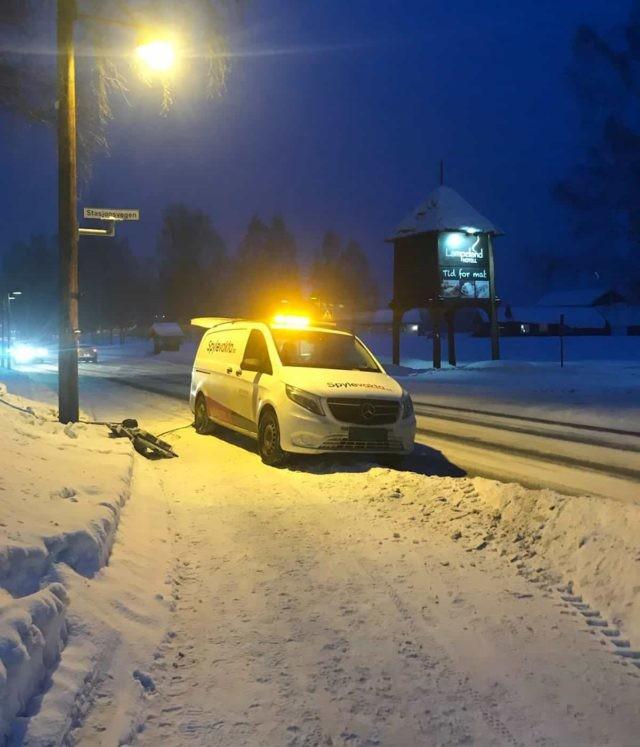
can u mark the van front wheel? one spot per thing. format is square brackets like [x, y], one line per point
[269, 440]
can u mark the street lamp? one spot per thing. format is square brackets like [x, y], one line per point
[159, 55]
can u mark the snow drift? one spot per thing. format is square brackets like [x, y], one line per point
[62, 491]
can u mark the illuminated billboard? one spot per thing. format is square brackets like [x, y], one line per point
[463, 265]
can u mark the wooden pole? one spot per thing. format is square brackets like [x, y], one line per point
[2, 351]
[8, 332]
[451, 337]
[437, 342]
[68, 405]
[395, 333]
[493, 309]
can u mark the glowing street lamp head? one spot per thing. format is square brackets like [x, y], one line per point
[158, 55]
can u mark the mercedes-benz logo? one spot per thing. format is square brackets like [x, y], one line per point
[368, 410]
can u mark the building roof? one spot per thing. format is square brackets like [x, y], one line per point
[166, 329]
[578, 297]
[443, 210]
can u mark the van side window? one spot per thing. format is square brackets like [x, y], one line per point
[256, 355]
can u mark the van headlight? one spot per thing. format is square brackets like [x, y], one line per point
[305, 399]
[407, 405]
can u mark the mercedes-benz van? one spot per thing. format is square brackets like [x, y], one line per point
[298, 388]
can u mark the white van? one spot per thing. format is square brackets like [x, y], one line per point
[298, 388]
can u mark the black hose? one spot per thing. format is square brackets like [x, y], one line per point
[173, 430]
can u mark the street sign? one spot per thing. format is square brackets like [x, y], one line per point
[111, 214]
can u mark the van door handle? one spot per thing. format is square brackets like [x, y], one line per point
[229, 370]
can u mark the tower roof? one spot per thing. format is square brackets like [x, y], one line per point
[443, 210]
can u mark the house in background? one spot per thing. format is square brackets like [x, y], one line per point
[622, 317]
[588, 311]
[587, 297]
[166, 336]
[535, 321]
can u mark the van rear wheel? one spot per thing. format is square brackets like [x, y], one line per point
[269, 440]
[202, 423]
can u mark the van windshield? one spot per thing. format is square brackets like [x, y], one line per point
[318, 349]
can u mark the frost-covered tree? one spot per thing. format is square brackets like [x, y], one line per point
[117, 290]
[342, 274]
[360, 289]
[192, 264]
[603, 191]
[32, 268]
[323, 276]
[107, 68]
[265, 269]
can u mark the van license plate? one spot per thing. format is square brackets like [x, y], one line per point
[376, 435]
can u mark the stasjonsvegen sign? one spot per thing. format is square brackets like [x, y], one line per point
[111, 214]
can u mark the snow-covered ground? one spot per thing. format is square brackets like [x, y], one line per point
[331, 603]
[599, 383]
[348, 604]
[63, 493]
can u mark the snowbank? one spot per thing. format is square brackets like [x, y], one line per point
[62, 489]
[588, 546]
[32, 634]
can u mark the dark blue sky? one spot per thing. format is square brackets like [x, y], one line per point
[336, 115]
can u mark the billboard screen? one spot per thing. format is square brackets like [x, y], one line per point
[463, 262]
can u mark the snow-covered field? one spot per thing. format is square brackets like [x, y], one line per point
[600, 382]
[212, 600]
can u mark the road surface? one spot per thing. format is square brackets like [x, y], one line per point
[539, 452]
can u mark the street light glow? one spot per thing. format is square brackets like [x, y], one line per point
[159, 55]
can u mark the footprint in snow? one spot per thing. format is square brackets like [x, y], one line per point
[64, 492]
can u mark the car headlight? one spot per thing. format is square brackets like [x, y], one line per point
[305, 399]
[22, 353]
[407, 405]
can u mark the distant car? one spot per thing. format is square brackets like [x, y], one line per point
[87, 355]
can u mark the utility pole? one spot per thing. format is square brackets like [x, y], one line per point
[9, 331]
[2, 342]
[68, 407]
[493, 308]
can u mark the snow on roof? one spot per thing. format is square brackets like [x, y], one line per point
[575, 317]
[579, 297]
[444, 210]
[166, 329]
